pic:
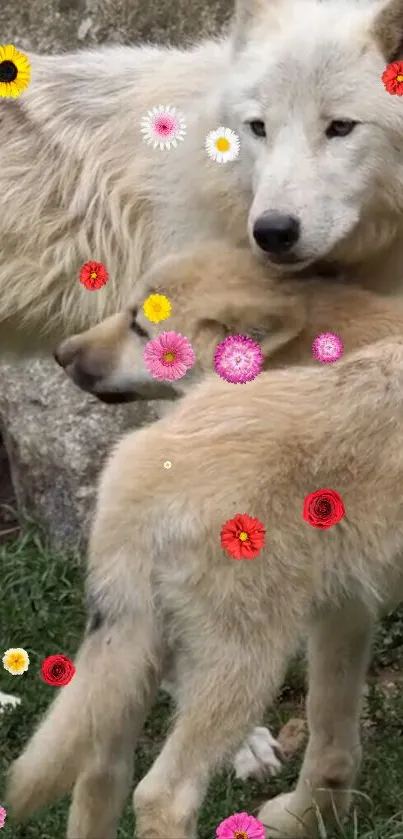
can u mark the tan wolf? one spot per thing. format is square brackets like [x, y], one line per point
[208, 304]
[162, 588]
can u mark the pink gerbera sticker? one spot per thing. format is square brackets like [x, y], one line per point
[3, 815]
[163, 127]
[327, 347]
[240, 826]
[238, 359]
[169, 356]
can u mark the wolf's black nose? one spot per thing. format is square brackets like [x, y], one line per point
[276, 233]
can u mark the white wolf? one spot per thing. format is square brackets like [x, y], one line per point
[319, 176]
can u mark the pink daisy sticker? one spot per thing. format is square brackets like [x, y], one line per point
[327, 347]
[169, 356]
[3, 816]
[163, 127]
[240, 826]
[238, 359]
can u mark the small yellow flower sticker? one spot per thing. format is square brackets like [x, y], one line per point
[15, 71]
[167, 464]
[157, 307]
[16, 661]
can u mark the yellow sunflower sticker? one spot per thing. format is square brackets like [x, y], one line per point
[15, 71]
[157, 307]
[16, 661]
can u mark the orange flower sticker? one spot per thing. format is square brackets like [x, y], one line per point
[392, 78]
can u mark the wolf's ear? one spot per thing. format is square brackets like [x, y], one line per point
[247, 13]
[388, 30]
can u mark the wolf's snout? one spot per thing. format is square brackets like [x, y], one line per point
[276, 233]
[66, 353]
[71, 358]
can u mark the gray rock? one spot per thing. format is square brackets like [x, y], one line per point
[57, 438]
[51, 25]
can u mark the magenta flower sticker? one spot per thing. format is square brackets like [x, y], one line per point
[327, 347]
[240, 826]
[3, 815]
[163, 127]
[238, 359]
[169, 356]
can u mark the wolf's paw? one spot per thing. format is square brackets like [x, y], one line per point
[278, 817]
[260, 755]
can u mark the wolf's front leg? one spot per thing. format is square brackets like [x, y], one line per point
[339, 646]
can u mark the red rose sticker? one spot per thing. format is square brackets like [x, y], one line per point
[392, 78]
[243, 537]
[57, 670]
[323, 508]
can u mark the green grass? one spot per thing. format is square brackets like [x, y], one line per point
[42, 611]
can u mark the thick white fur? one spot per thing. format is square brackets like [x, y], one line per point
[78, 182]
[161, 587]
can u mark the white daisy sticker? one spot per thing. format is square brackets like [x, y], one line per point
[163, 127]
[167, 464]
[222, 145]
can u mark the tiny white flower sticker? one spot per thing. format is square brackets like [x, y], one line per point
[222, 145]
[167, 464]
[163, 127]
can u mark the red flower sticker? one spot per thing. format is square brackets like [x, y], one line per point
[323, 508]
[392, 78]
[243, 537]
[57, 670]
[93, 275]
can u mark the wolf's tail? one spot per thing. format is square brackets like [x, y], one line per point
[116, 673]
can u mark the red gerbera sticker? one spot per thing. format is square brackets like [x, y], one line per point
[392, 78]
[323, 508]
[57, 670]
[243, 537]
[93, 275]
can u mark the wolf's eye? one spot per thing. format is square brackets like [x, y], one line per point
[340, 128]
[257, 127]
